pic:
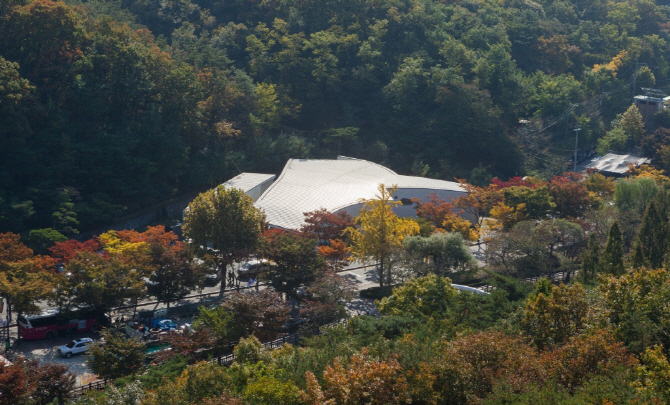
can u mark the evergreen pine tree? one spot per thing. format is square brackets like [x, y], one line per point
[590, 259]
[653, 234]
[648, 236]
[638, 256]
[612, 257]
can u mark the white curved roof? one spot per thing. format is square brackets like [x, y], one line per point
[247, 181]
[310, 184]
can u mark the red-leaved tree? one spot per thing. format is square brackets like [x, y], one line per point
[324, 225]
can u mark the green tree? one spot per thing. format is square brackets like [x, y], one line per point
[228, 219]
[103, 282]
[296, 262]
[615, 140]
[424, 296]
[590, 259]
[612, 256]
[339, 136]
[653, 233]
[268, 391]
[176, 274]
[446, 251]
[379, 232]
[248, 350]
[42, 239]
[634, 307]
[654, 374]
[537, 201]
[632, 124]
[65, 217]
[553, 319]
[219, 322]
[635, 194]
[195, 384]
[116, 356]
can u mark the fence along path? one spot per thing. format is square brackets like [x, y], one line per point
[225, 359]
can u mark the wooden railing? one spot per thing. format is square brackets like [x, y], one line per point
[224, 360]
[92, 386]
[294, 338]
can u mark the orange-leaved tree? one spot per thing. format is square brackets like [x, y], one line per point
[363, 379]
[444, 216]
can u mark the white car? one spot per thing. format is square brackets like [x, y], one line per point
[77, 346]
[254, 266]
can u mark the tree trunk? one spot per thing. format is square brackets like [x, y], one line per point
[381, 273]
[9, 318]
[222, 272]
[18, 329]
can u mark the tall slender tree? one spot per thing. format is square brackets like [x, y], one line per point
[590, 259]
[612, 257]
[653, 235]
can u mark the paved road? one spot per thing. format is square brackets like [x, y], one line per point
[45, 350]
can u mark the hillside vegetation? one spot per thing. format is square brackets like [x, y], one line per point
[110, 106]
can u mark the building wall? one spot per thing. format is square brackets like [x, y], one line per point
[407, 209]
[256, 192]
[647, 109]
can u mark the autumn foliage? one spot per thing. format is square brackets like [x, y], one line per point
[362, 379]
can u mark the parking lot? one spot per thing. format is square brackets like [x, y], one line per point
[44, 350]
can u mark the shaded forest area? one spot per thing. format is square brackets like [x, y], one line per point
[107, 107]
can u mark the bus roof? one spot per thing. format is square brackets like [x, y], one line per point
[52, 311]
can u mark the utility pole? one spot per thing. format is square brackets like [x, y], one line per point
[567, 119]
[522, 127]
[574, 166]
[637, 64]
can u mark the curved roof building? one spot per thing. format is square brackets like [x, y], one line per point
[339, 185]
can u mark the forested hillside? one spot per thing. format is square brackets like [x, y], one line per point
[107, 107]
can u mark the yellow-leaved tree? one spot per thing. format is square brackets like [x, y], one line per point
[378, 231]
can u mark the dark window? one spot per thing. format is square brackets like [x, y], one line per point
[38, 322]
[406, 201]
[652, 103]
[641, 102]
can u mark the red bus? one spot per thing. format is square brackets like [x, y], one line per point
[48, 323]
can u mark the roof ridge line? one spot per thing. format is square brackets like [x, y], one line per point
[281, 175]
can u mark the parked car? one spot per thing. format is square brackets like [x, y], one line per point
[77, 346]
[253, 267]
[165, 325]
[152, 286]
[213, 276]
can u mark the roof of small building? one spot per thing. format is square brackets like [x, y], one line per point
[306, 185]
[247, 181]
[615, 163]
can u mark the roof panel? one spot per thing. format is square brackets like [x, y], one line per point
[247, 181]
[310, 184]
[614, 163]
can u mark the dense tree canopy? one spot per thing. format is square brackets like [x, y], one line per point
[122, 104]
